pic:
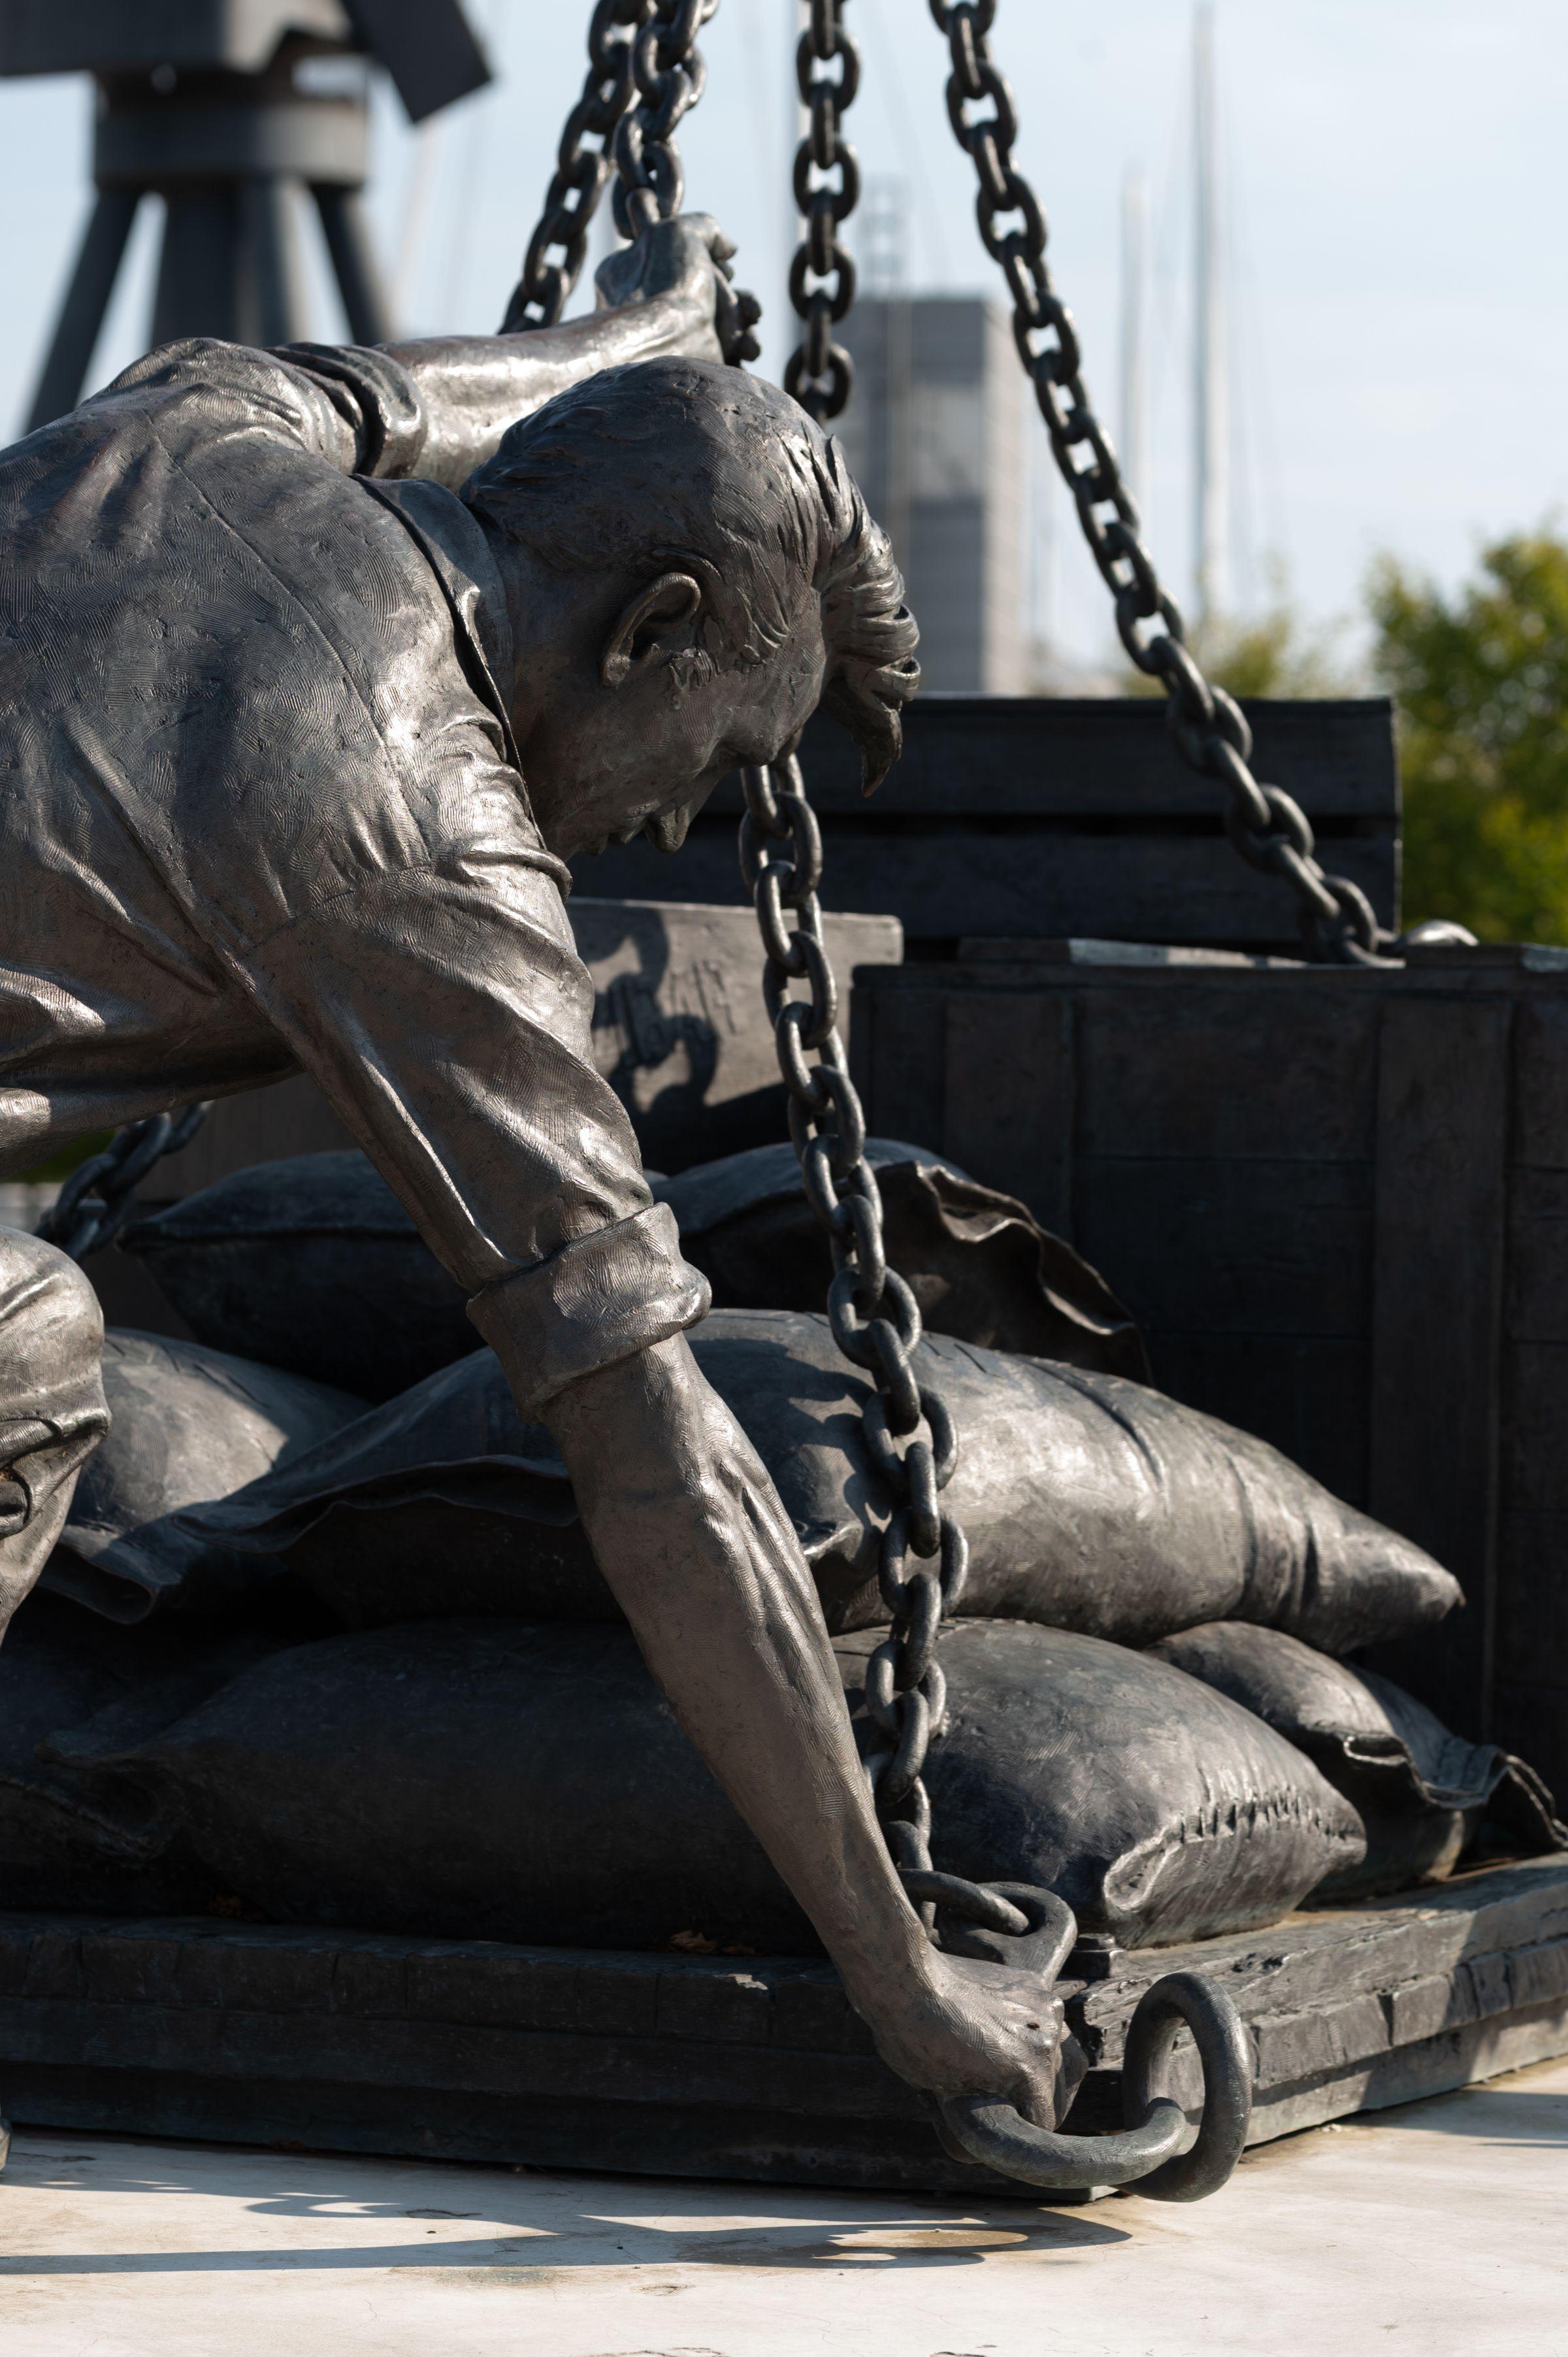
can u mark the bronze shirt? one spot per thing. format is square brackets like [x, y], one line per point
[260, 810]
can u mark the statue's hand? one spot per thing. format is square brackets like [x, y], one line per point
[981, 2028]
[686, 264]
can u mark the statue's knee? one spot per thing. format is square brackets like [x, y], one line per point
[51, 1333]
[52, 1410]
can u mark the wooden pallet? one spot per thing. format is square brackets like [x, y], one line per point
[715, 2067]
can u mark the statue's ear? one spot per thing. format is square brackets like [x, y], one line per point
[674, 599]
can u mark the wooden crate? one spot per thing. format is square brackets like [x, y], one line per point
[1039, 816]
[1337, 1200]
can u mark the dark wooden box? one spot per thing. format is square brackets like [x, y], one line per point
[1337, 1200]
[1044, 816]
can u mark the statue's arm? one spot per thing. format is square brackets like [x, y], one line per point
[442, 1009]
[666, 294]
[691, 1534]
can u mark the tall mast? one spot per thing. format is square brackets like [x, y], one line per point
[1134, 424]
[799, 121]
[1211, 420]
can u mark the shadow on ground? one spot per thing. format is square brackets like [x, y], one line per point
[537, 2228]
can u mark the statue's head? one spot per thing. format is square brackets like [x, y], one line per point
[690, 571]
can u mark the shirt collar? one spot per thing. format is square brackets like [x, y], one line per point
[455, 544]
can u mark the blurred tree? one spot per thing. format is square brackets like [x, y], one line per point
[60, 1165]
[1276, 653]
[1273, 653]
[1481, 680]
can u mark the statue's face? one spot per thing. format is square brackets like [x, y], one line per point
[647, 730]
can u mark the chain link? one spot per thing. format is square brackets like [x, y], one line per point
[571, 200]
[671, 78]
[646, 50]
[99, 1196]
[820, 374]
[1269, 830]
[923, 1558]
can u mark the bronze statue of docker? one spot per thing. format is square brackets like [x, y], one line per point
[319, 665]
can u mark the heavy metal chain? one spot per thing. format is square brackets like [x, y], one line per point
[1269, 830]
[924, 1556]
[99, 1196]
[671, 78]
[922, 1562]
[572, 197]
[642, 49]
[820, 374]
[875, 1318]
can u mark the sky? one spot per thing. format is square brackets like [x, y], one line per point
[1399, 332]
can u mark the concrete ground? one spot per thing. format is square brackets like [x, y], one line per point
[1439, 2231]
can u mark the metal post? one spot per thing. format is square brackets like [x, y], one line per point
[799, 124]
[81, 314]
[278, 298]
[201, 285]
[354, 263]
[1211, 422]
[899, 384]
[1134, 418]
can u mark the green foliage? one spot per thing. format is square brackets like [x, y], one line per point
[60, 1165]
[1481, 680]
[1275, 653]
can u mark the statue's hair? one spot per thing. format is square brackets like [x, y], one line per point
[685, 466]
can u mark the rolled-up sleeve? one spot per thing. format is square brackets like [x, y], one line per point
[446, 1013]
[593, 1304]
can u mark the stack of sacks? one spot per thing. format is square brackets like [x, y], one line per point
[442, 1726]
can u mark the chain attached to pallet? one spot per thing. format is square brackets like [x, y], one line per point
[875, 1318]
[1267, 826]
[923, 1558]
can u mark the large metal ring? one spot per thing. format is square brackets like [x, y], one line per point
[1186, 2000]
[1147, 2152]
[999, 2137]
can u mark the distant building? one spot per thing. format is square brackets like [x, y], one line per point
[934, 434]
